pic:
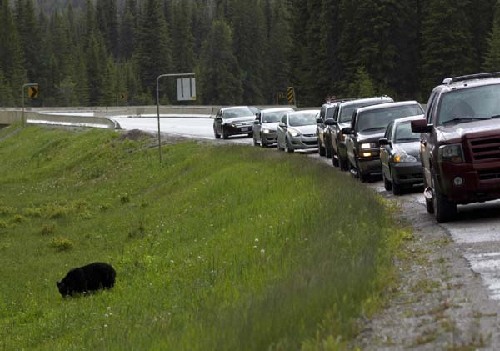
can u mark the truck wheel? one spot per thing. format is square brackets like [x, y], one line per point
[321, 149]
[444, 210]
[344, 166]
[328, 152]
[387, 183]
[335, 160]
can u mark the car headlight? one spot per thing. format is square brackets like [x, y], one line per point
[368, 145]
[266, 130]
[401, 157]
[294, 132]
[451, 153]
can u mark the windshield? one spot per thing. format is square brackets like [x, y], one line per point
[467, 105]
[404, 134]
[379, 119]
[346, 112]
[237, 112]
[272, 117]
[302, 119]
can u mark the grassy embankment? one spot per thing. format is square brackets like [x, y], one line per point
[219, 248]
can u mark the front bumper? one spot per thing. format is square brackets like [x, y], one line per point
[407, 173]
[269, 138]
[480, 182]
[303, 142]
[370, 166]
[234, 129]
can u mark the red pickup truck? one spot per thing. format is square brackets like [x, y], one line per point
[460, 143]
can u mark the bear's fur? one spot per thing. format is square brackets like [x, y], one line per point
[89, 278]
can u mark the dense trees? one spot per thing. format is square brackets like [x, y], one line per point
[109, 52]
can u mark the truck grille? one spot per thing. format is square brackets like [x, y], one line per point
[485, 149]
[489, 174]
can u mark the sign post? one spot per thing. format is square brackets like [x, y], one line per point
[193, 97]
[32, 93]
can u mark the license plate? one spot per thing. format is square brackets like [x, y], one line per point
[245, 129]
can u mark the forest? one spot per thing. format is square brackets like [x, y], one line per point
[109, 52]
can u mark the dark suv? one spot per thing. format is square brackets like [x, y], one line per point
[342, 119]
[460, 143]
[325, 112]
[368, 125]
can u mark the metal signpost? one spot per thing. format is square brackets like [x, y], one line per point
[33, 93]
[192, 97]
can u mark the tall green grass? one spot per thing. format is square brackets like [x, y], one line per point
[217, 248]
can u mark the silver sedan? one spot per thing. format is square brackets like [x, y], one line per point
[297, 131]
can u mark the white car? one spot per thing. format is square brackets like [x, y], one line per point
[297, 131]
[266, 124]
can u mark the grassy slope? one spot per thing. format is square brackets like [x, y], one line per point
[219, 248]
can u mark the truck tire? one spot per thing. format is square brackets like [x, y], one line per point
[444, 210]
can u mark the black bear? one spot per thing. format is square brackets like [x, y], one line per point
[91, 277]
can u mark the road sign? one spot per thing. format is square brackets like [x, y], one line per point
[290, 95]
[186, 89]
[33, 91]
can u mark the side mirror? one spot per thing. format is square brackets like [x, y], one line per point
[330, 122]
[282, 125]
[347, 130]
[383, 142]
[319, 120]
[421, 126]
[256, 121]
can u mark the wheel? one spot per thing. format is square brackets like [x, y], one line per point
[335, 160]
[255, 143]
[396, 189]
[225, 135]
[262, 143]
[217, 135]
[288, 149]
[343, 164]
[361, 176]
[444, 210]
[321, 149]
[387, 183]
[328, 152]
[429, 205]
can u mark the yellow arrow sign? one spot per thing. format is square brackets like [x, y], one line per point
[33, 91]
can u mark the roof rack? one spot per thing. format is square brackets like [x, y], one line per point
[471, 76]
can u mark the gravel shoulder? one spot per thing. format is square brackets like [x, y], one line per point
[439, 302]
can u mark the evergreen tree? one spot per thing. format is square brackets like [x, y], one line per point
[492, 57]
[182, 38]
[220, 82]
[107, 23]
[154, 56]
[362, 85]
[128, 27]
[447, 48]
[248, 40]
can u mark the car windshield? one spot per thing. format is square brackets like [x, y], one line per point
[272, 117]
[404, 134]
[346, 112]
[467, 105]
[237, 112]
[329, 112]
[302, 119]
[379, 119]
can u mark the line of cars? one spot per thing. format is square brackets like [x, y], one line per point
[453, 149]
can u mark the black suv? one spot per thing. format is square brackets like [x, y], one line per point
[460, 143]
[327, 111]
[342, 119]
[368, 125]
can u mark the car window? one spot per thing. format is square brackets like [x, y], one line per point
[388, 131]
[272, 117]
[238, 112]
[379, 119]
[404, 134]
[347, 111]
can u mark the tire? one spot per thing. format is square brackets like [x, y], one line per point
[361, 176]
[288, 149]
[328, 152]
[343, 164]
[387, 183]
[321, 149]
[225, 135]
[262, 144]
[429, 206]
[444, 210]
[396, 189]
[255, 143]
[217, 135]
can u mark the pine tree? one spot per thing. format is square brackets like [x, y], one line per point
[128, 27]
[182, 38]
[492, 57]
[220, 82]
[107, 22]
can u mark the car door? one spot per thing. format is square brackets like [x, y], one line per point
[386, 150]
[427, 140]
[281, 131]
[218, 122]
[257, 127]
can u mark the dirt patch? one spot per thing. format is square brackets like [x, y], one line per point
[439, 304]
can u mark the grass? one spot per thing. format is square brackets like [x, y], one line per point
[217, 248]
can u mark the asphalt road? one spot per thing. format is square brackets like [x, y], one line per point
[476, 230]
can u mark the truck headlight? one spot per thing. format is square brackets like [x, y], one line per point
[451, 153]
[368, 145]
[401, 157]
